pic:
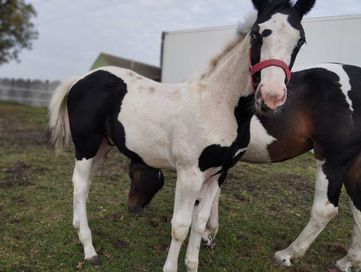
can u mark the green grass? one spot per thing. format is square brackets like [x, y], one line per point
[262, 209]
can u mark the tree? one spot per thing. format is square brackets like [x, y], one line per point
[16, 29]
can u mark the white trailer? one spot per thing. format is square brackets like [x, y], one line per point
[329, 39]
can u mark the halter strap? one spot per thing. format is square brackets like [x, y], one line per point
[267, 63]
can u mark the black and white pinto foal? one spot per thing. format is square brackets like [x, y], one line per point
[198, 128]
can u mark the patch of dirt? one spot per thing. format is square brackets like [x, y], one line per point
[337, 249]
[158, 221]
[24, 137]
[158, 249]
[16, 175]
[121, 244]
[238, 183]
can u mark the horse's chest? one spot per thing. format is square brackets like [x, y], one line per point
[225, 157]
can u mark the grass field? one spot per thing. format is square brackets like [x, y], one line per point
[262, 209]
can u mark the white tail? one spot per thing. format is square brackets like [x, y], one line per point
[58, 115]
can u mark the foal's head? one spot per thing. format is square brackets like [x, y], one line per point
[275, 39]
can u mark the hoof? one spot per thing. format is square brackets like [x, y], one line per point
[208, 242]
[95, 260]
[192, 266]
[282, 258]
[343, 265]
[167, 269]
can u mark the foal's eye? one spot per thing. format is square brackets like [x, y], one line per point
[253, 37]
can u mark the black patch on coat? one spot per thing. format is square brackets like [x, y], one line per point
[256, 46]
[279, 6]
[302, 7]
[94, 103]
[266, 33]
[225, 157]
[293, 56]
[295, 21]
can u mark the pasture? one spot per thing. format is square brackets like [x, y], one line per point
[262, 209]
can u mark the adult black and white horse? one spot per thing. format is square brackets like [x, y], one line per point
[324, 114]
[198, 128]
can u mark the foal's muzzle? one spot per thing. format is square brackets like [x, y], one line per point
[271, 96]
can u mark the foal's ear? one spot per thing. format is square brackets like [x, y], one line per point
[260, 4]
[304, 6]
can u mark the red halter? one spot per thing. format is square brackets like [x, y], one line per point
[264, 64]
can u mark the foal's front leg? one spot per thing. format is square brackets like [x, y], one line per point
[189, 182]
[201, 214]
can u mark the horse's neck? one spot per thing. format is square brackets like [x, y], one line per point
[229, 79]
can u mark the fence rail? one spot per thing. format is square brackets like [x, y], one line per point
[30, 92]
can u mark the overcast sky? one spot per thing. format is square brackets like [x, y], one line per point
[73, 32]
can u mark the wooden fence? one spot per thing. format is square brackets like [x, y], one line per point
[30, 92]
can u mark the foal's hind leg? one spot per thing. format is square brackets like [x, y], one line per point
[201, 213]
[81, 181]
[212, 226]
[322, 212]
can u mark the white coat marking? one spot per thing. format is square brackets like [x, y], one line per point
[322, 212]
[260, 139]
[239, 151]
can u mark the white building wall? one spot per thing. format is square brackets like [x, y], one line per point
[329, 39]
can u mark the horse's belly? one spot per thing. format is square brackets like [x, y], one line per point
[156, 156]
[154, 151]
[150, 143]
[146, 135]
[256, 154]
